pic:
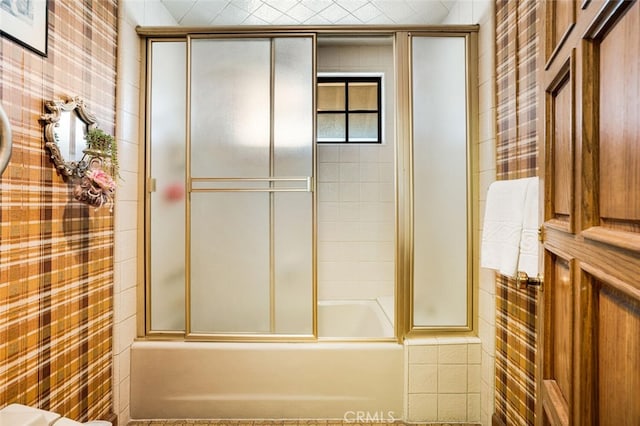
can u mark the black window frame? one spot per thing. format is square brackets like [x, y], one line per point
[346, 80]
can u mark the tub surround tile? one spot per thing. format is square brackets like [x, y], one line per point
[473, 407]
[349, 192]
[487, 368]
[423, 354]
[473, 378]
[349, 172]
[487, 305]
[328, 154]
[452, 407]
[423, 379]
[350, 211]
[370, 191]
[452, 378]
[487, 154]
[423, 406]
[474, 354]
[452, 354]
[349, 154]
[488, 335]
[330, 211]
[488, 284]
[328, 172]
[487, 124]
[369, 154]
[454, 394]
[369, 172]
[328, 191]
[487, 399]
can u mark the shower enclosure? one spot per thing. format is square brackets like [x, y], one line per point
[249, 233]
[239, 134]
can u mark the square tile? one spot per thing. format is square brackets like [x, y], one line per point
[452, 378]
[350, 192]
[473, 378]
[349, 172]
[474, 353]
[422, 407]
[452, 407]
[423, 354]
[369, 191]
[423, 378]
[473, 407]
[488, 368]
[349, 154]
[452, 354]
[328, 172]
[369, 172]
[328, 153]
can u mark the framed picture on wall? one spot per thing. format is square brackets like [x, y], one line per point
[25, 21]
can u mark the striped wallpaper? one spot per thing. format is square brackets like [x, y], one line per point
[56, 254]
[516, 150]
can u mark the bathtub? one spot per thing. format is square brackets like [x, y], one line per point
[355, 319]
[241, 380]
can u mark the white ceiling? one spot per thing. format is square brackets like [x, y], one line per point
[307, 12]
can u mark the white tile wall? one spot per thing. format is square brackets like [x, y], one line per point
[356, 194]
[443, 379]
[131, 13]
[483, 13]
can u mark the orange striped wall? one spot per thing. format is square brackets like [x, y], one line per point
[56, 255]
[516, 157]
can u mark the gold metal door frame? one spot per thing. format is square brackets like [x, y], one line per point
[404, 237]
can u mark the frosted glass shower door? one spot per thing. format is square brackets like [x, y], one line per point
[166, 202]
[250, 168]
[441, 283]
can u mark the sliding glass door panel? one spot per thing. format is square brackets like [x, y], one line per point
[251, 218]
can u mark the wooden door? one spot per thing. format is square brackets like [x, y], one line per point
[589, 360]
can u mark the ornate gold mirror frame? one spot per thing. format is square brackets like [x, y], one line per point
[65, 130]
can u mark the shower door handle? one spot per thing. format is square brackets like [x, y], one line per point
[251, 184]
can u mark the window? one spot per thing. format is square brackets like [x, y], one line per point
[349, 110]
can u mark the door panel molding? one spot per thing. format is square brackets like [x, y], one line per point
[606, 17]
[610, 348]
[561, 18]
[560, 147]
[558, 344]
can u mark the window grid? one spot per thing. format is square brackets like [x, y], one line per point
[347, 138]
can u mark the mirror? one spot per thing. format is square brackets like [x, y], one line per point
[65, 130]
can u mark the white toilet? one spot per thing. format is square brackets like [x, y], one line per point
[21, 415]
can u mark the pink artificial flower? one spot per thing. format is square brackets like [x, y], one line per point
[102, 179]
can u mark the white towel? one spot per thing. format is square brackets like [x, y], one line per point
[528, 257]
[502, 229]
